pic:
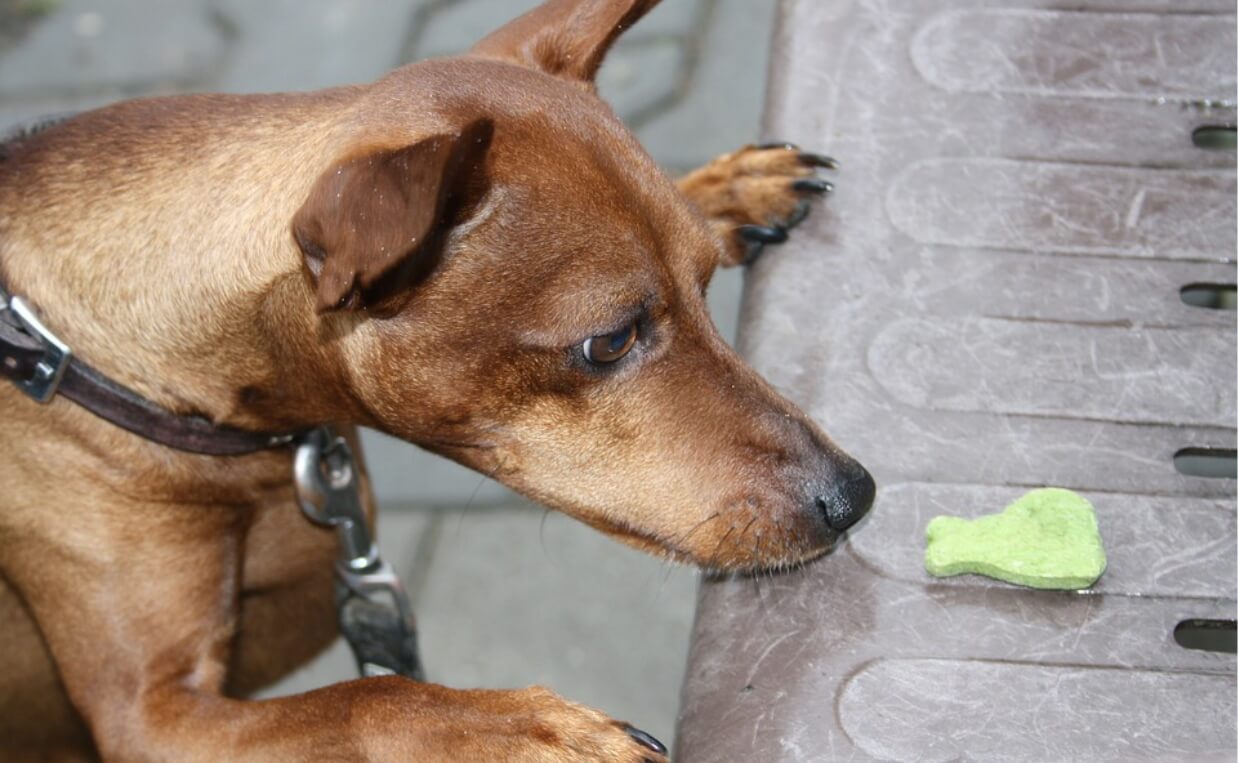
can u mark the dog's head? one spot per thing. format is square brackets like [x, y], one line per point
[516, 285]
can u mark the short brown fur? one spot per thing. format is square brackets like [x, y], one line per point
[192, 249]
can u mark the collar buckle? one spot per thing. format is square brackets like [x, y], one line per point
[55, 359]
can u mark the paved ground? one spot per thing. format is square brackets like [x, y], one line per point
[507, 594]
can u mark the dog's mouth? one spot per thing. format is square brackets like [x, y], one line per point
[645, 541]
[718, 560]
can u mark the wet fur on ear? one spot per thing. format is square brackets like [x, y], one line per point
[565, 38]
[373, 223]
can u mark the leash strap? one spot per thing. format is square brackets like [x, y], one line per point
[42, 366]
[374, 613]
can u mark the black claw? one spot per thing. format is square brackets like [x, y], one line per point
[801, 211]
[755, 249]
[763, 234]
[778, 144]
[819, 160]
[812, 185]
[646, 740]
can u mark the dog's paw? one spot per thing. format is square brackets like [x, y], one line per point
[576, 732]
[753, 196]
[539, 725]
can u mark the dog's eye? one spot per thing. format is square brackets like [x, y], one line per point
[608, 348]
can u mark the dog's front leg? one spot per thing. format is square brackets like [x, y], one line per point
[753, 196]
[138, 603]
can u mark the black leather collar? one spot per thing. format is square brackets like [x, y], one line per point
[42, 366]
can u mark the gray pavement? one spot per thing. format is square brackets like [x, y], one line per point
[507, 593]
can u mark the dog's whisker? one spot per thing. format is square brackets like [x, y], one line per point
[672, 560]
[674, 557]
[751, 522]
[666, 576]
[679, 541]
[487, 476]
[460, 515]
[460, 445]
[760, 572]
[713, 556]
[756, 586]
[755, 575]
[473, 495]
[541, 532]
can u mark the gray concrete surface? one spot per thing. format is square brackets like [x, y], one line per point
[506, 594]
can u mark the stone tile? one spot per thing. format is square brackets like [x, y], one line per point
[127, 47]
[331, 667]
[639, 77]
[517, 596]
[307, 44]
[452, 28]
[512, 596]
[722, 105]
[23, 112]
[649, 66]
[725, 297]
[679, 18]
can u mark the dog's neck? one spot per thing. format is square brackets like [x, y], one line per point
[228, 339]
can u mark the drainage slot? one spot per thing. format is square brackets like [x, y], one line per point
[1207, 635]
[1214, 296]
[1215, 138]
[1216, 463]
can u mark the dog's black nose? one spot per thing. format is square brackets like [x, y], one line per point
[850, 500]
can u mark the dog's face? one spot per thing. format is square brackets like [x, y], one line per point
[535, 289]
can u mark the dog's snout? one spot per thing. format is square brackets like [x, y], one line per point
[848, 500]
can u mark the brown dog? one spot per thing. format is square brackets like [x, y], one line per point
[472, 254]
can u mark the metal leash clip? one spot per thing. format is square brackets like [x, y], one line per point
[374, 613]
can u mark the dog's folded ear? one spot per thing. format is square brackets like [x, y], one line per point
[566, 38]
[375, 222]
